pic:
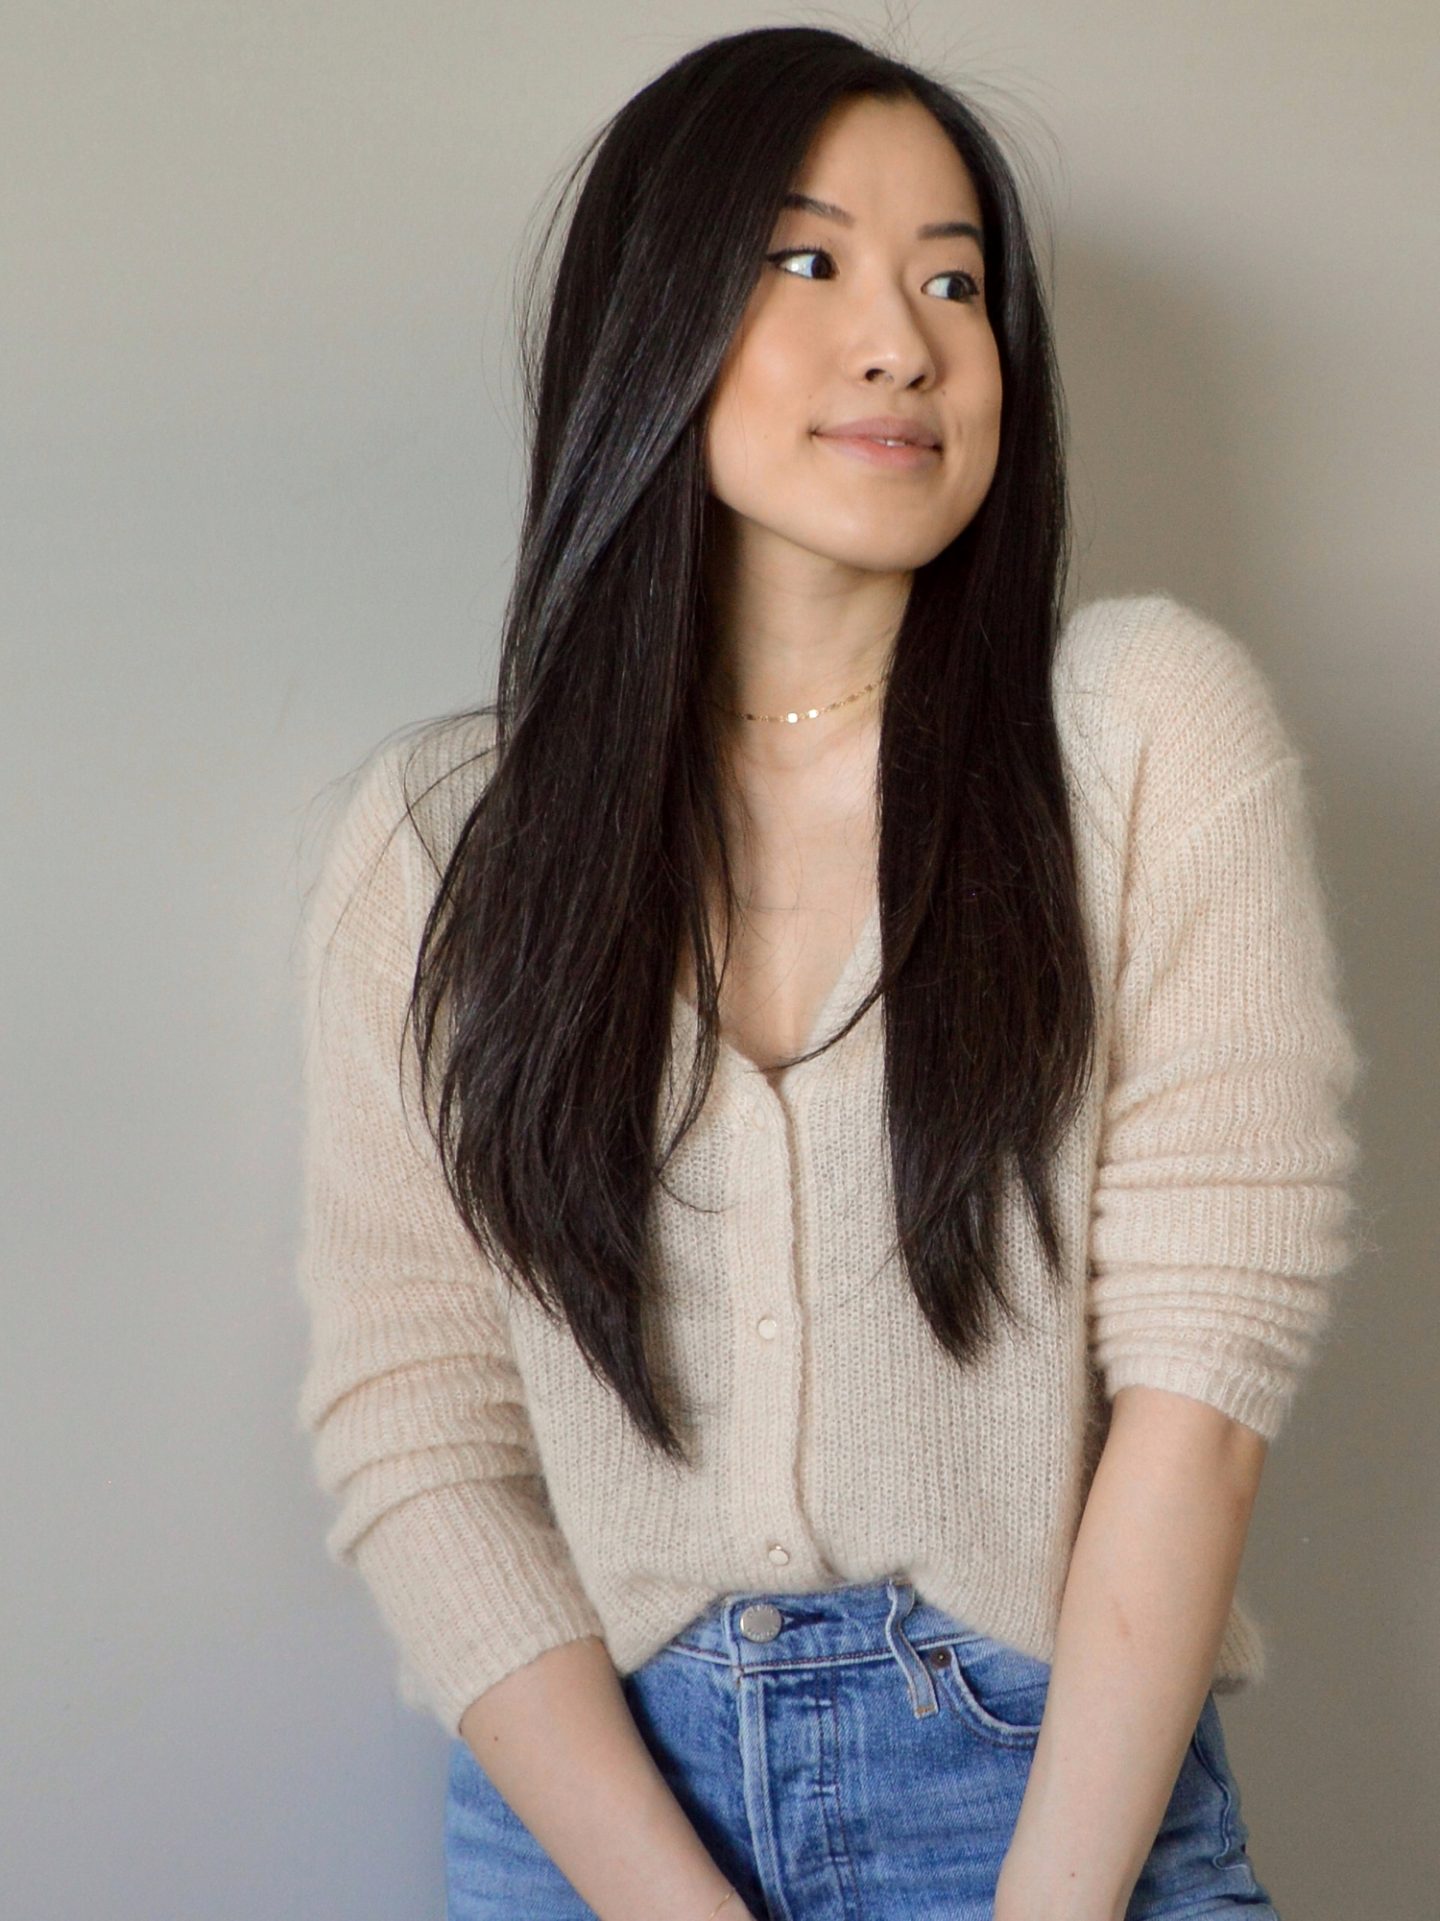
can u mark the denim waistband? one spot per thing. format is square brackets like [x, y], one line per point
[764, 1629]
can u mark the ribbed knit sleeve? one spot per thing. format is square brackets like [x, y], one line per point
[411, 1392]
[1222, 1208]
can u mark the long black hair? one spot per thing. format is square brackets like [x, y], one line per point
[543, 990]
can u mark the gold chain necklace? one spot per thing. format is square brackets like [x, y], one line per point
[807, 713]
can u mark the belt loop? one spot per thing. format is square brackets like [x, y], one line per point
[917, 1675]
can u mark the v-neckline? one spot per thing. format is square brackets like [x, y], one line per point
[860, 966]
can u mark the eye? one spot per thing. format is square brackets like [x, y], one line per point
[783, 258]
[970, 286]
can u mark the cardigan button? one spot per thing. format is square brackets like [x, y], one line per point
[779, 1555]
[767, 1327]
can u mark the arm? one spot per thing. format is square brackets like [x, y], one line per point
[411, 1398]
[1151, 1579]
[419, 1423]
[1220, 1221]
[559, 1742]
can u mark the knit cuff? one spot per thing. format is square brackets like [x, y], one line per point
[468, 1594]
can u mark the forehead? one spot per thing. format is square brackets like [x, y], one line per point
[888, 160]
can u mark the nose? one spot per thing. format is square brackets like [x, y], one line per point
[889, 344]
[884, 371]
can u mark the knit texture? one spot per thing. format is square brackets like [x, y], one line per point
[492, 1493]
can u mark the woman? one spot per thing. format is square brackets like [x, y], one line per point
[799, 1411]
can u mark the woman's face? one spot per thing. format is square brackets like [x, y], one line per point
[858, 313]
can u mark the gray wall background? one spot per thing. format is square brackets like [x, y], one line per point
[257, 508]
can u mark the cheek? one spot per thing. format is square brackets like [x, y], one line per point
[736, 450]
[757, 421]
[994, 386]
[997, 403]
[730, 430]
[981, 432]
[982, 373]
[771, 366]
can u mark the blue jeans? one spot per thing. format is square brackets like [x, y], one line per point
[852, 1754]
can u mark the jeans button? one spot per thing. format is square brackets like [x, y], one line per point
[760, 1621]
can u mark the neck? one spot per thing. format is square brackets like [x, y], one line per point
[791, 633]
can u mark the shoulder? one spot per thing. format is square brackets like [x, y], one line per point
[438, 770]
[394, 817]
[1167, 702]
[1168, 670]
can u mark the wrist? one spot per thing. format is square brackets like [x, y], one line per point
[1031, 1891]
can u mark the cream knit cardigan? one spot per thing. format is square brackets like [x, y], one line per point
[492, 1494]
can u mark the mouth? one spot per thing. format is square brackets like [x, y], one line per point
[881, 451]
[886, 428]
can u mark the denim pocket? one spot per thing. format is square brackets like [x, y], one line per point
[1000, 1691]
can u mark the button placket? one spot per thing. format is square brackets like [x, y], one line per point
[766, 1282]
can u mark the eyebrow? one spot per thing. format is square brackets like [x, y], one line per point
[934, 230]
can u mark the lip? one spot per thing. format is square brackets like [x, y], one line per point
[875, 453]
[882, 427]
